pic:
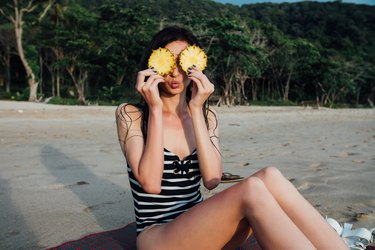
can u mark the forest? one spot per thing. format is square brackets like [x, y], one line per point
[88, 51]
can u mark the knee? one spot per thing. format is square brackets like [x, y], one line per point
[270, 174]
[253, 188]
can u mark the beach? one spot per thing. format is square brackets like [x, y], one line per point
[63, 175]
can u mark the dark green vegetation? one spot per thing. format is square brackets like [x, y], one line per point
[88, 51]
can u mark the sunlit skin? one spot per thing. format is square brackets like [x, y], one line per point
[265, 204]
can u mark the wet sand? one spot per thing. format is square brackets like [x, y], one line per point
[63, 176]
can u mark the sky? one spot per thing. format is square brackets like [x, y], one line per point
[240, 2]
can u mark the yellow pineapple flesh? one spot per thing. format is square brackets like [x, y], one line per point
[162, 60]
[193, 55]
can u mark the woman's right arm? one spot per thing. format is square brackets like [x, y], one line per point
[145, 159]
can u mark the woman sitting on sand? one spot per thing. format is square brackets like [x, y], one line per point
[171, 142]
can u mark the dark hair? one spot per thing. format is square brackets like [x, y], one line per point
[160, 40]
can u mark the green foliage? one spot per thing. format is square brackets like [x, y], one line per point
[63, 101]
[270, 102]
[32, 54]
[269, 53]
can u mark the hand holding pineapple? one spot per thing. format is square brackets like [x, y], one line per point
[149, 88]
[202, 87]
[163, 61]
[192, 61]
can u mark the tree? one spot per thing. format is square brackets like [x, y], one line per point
[48, 37]
[122, 33]
[75, 48]
[234, 56]
[19, 8]
[6, 48]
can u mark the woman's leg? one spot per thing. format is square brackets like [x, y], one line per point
[214, 222]
[301, 212]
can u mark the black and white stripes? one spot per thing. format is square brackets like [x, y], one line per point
[180, 190]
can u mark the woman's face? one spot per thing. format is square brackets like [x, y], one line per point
[177, 81]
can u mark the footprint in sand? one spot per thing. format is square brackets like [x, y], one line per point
[340, 155]
[62, 186]
[316, 166]
[352, 153]
[358, 161]
[345, 154]
[360, 217]
[98, 206]
[13, 232]
[304, 185]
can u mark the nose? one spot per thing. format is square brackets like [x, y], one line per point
[176, 71]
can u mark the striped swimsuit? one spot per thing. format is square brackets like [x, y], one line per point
[180, 190]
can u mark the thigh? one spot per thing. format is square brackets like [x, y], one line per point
[215, 223]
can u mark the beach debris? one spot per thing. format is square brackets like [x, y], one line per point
[292, 179]
[20, 111]
[355, 239]
[227, 177]
[79, 183]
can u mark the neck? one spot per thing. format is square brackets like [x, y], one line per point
[175, 104]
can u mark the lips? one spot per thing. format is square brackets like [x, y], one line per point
[174, 84]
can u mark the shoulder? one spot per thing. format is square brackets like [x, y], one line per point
[129, 112]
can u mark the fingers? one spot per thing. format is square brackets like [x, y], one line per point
[147, 85]
[145, 78]
[141, 76]
[152, 83]
[201, 80]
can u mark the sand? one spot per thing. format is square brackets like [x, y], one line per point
[62, 174]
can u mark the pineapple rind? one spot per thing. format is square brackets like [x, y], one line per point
[193, 55]
[162, 60]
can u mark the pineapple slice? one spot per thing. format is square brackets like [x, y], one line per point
[162, 60]
[193, 55]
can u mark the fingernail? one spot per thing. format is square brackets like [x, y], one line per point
[189, 73]
[152, 68]
[190, 68]
[155, 71]
[194, 65]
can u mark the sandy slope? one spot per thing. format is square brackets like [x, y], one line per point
[62, 174]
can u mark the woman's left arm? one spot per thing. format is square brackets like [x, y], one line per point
[207, 140]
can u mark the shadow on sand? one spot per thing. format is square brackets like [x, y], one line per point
[109, 203]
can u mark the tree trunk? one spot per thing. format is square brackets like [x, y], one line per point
[33, 83]
[7, 66]
[17, 23]
[33, 92]
[58, 83]
[120, 79]
[53, 84]
[287, 87]
[79, 82]
[228, 85]
[40, 75]
[254, 90]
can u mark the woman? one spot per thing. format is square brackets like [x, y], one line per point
[164, 139]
